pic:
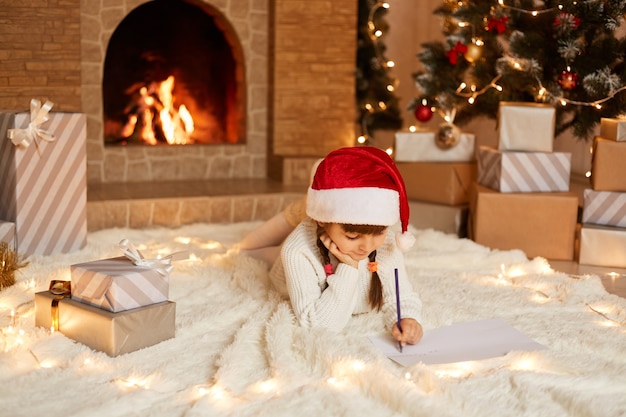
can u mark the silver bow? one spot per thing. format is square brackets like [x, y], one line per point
[163, 265]
[38, 116]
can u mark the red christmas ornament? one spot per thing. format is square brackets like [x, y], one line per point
[498, 25]
[423, 113]
[568, 80]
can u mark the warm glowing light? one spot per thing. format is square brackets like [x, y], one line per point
[588, 174]
[407, 376]
[391, 64]
[412, 128]
[183, 239]
[389, 151]
[361, 139]
[378, 33]
[523, 364]
[390, 87]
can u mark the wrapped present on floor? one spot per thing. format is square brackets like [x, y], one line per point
[438, 182]
[44, 185]
[602, 246]
[111, 333]
[606, 208]
[613, 128]
[526, 126]
[608, 165]
[425, 145]
[125, 282]
[515, 171]
[540, 224]
[7, 234]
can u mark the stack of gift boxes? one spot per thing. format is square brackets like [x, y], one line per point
[438, 177]
[521, 199]
[111, 305]
[116, 305]
[603, 230]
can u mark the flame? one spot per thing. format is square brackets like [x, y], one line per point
[155, 107]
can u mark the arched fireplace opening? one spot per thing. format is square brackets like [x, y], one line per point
[174, 74]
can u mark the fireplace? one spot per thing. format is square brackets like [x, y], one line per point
[173, 75]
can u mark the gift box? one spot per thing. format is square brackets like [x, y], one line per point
[514, 171]
[438, 182]
[606, 208]
[442, 217]
[43, 189]
[540, 224]
[117, 284]
[112, 333]
[422, 146]
[613, 128]
[608, 165]
[602, 246]
[526, 126]
[7, 234]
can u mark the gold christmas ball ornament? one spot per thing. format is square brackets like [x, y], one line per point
[448, 136]
[473, 53]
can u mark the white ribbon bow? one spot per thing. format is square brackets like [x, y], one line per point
[163, 265]
[38, 116]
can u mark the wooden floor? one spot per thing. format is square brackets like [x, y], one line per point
[614, 279]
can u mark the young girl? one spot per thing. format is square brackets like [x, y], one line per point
[341, 259]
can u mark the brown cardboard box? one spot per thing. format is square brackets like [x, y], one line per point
[438, 182]
[608, 165]
[111, 333]
[602, 246]
[540, 224]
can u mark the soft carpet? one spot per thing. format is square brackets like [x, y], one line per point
[239, 352]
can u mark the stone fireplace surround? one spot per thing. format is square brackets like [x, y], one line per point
[140, 186]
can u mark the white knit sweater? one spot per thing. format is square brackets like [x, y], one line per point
[318, 301]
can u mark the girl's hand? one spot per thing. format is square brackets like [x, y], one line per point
[332, 248]
[412, 332]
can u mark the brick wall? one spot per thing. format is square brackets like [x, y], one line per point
[40, 53]
[300, 98]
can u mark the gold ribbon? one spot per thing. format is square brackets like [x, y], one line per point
[38, 116]
[162, 265]
[60, 290]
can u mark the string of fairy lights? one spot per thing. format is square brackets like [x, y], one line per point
[375, 35]
[471, 92]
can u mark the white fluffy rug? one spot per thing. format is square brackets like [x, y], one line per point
[238, 351]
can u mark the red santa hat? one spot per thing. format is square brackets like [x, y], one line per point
[360, 185]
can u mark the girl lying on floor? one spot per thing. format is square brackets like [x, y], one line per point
[333, 253]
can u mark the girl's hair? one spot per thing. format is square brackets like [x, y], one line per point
[376, 288]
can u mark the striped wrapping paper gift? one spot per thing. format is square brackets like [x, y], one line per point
[510, 171]
[7, 233]
[117, 284]
[606, 208]
[44, 186]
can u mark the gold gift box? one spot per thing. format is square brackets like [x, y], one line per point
[111, 333]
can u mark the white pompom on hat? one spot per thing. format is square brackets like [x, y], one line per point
[360, 185]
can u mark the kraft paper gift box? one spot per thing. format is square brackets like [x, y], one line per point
[421, 146]
[515, 171]
[43, 188]
[438, 182]
[602, 246]
[540, 224]
[7, 234]
[613, 128]
[608, 165]
[111, 333]
[526, 126]
[606, 208]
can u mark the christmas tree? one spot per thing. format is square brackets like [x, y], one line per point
[376, 102]
[566, 53]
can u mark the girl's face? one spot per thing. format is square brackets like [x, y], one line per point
[356, 245]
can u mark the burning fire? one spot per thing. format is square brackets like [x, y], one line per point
[153, 116]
